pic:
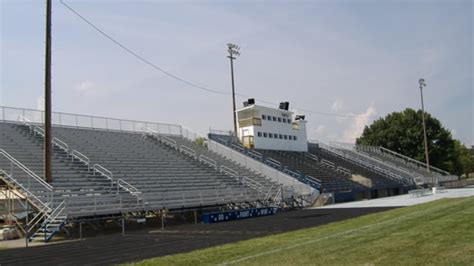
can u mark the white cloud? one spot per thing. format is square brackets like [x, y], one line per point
[358, 123]
[86, 87]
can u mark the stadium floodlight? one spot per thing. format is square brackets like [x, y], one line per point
[422, 84]
[233, 50]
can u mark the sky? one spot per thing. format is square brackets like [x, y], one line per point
[359, 59]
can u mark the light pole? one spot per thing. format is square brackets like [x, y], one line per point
[233, 51]
[422, 85]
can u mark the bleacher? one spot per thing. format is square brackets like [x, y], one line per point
[400, 161]
[347, 173]
[378, 180]
[331, 179]
[99, 172]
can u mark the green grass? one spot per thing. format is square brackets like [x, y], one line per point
[439, 232]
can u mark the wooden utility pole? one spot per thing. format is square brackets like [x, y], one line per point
[48, 173]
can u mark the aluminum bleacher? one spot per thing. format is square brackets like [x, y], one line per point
[111, 167]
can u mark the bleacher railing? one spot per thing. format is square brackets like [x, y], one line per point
[88, 121]
[368, 163]
[26, 187]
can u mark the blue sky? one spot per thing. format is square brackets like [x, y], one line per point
[361, 58]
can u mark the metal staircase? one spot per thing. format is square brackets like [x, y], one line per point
[39, 194]
[49, 223]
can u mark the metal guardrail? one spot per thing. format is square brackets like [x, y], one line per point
[311, 156]
[255, 154]
[87, 121]
[228, 171]
[204, 159]
[343, 170]
[238, 147]
[61, 144]
[252, 184]
[35, 200]
[128, 187]
[313, 178]
[365, 164]
[25, 169]
[169, 141]
[273, 162]
[328, 164]
[419, 164]
[81, 157]
[188, 151]
[97, 168]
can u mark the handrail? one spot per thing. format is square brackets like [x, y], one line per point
[311, 156]
[207, 160]
[257, 185]
[25, 121]
[81, 157]
[255, 154]
[30, 194]
[88, 121]
[58, 210]
[273, 162]
[97, 168]
[61, 144]
[39, 130]
[343, 170]
[169, 141]
[229, 171]
[313, 178]
[375, 160]
[291, 172]
[26, 169]
[127, 186]
[268, 194]
[238, 147]
[328, 163]
[396, 154]
[277, 198]
[188, 151]
[42, 213]
[362, 163]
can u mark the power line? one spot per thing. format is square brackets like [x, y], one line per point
[154, 66]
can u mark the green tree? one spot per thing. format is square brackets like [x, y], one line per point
[403, 132]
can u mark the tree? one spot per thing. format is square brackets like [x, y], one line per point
[402, 132]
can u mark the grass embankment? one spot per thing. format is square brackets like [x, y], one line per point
[439, 232]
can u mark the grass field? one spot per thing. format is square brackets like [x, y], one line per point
[439, 232]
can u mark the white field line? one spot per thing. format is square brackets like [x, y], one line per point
[419, 213]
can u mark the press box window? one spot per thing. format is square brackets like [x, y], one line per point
[281, 136]
[279, 119]
[270, 135]
[264, 135]
[259, 134]
[264, 117]
[285, 136]
[294, 137]
[284, 120]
